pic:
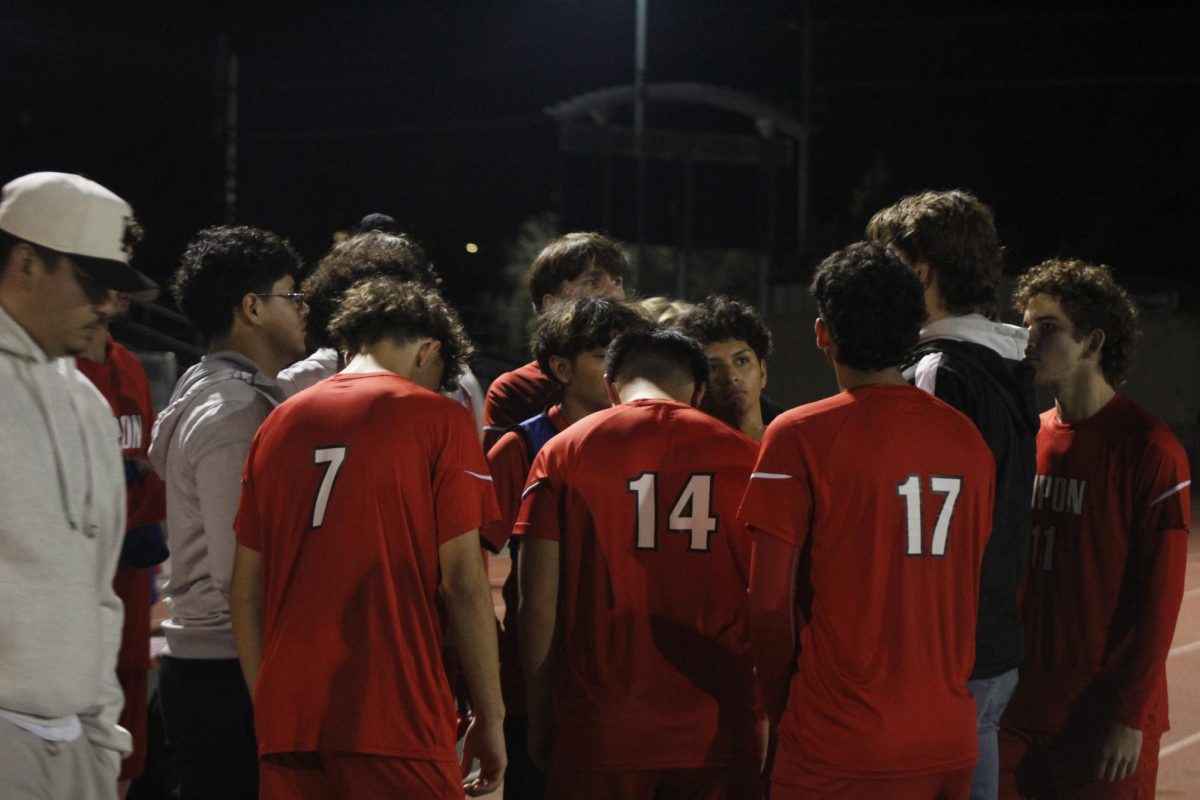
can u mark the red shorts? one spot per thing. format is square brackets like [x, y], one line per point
[1035, 764]
[940, 786]
[133, 719]
[331, 776]
[566, 782]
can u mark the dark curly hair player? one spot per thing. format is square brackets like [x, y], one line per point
[870, 511]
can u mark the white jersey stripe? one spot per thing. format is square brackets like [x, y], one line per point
[770, 476]
[1171, 491]
[481, 476]
[530, 488]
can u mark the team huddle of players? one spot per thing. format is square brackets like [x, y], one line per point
[709, 598]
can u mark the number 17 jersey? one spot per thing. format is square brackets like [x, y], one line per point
[887, 491]
[654, 669]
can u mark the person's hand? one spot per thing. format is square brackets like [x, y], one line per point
[1119, 751]
[484, 741]
[762, 736]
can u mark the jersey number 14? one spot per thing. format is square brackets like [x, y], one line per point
[691, 513]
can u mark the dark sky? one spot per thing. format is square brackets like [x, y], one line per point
[1076, 122]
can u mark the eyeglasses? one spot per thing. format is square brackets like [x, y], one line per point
[297, 298]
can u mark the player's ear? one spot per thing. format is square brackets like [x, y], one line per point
[697, 395]
[762, 362]
[1095, 342]
[248, 309]
[429, 349]
[924, 272]
[614, 397]
[562, 369]
[822, 334]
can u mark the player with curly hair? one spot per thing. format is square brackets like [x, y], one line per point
[737, 343]
[237, 285]
[870, 511]
[1111, 513]
[361, 505]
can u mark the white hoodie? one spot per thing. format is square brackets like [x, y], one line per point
[199, 447]
[62, 521]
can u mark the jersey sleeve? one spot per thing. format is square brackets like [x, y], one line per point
[463, 496]
[508, 461]
[779, 496]
[541, 501]
[1158, 563]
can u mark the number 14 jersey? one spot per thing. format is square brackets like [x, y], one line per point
[654, 669]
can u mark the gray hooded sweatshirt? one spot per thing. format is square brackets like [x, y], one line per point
[199, 447]
[62, 521]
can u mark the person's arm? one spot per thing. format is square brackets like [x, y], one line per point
[1145, 664]
[101, 722]
[246, 612]
[468, 598]
[773, 567]
[538, 618]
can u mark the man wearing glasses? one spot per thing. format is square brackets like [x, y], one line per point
[237, 286]
[62, 495]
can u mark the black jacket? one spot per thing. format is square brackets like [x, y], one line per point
[975, 365]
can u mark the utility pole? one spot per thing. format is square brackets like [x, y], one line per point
[639, 134]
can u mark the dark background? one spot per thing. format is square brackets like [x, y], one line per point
[1076, 122]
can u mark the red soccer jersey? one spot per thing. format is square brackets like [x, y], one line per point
[889, 492]
[122, 381]
[1111, 510]
[509, 462]
[349, 490]
[514, 397]
[654, 667]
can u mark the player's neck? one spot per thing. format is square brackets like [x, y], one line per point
[97, 348]
[1081, 396]
[385, 356]
[851, 378]
[251, 346]
[573, 409]
[752, 424]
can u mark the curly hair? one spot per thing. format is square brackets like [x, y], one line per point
[872, 305]
[568, 257]
[353, 259]
[223, 264]
[385, 306]
[953, 232]
[719, 318]
[657, 354]
[1093, 300]
[567, 329]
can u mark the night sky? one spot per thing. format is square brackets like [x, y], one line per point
[1076, 122]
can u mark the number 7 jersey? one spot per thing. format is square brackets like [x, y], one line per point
[654, 669]
[350, 489]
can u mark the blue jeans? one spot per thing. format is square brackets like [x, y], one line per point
[991, 696]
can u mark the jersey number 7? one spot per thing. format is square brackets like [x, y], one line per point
[332, 457]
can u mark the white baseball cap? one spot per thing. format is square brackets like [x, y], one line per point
[76, 216]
